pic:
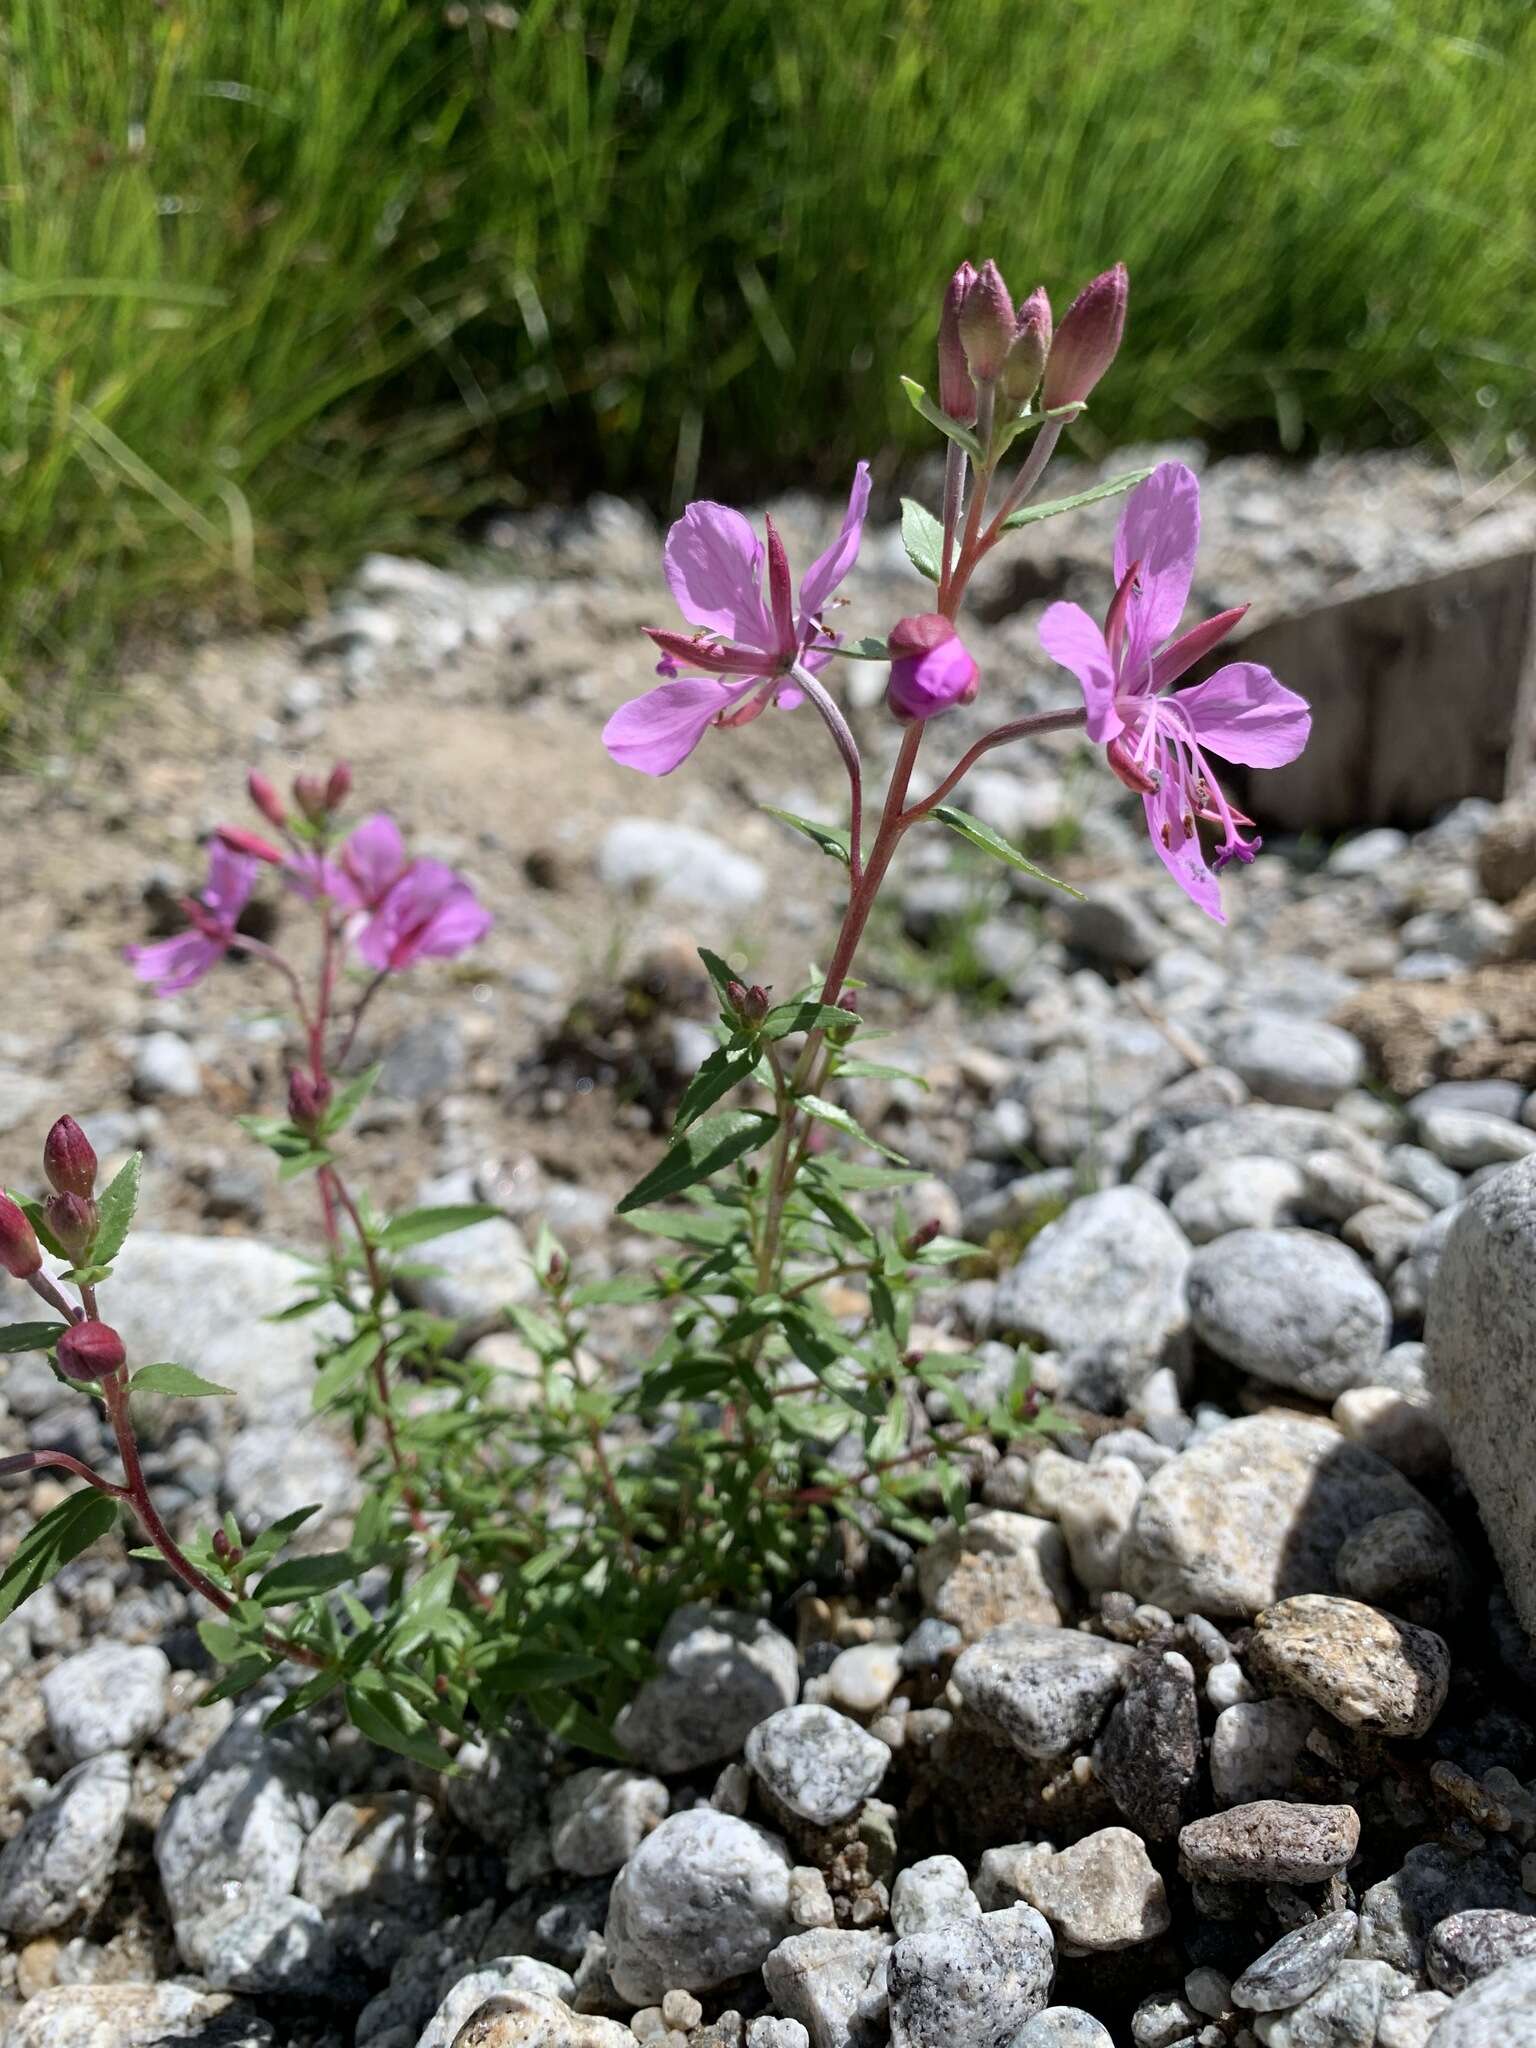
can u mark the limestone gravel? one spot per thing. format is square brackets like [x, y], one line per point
[703, 1899]
[1292, 1307]
[1367, 1669]
[1045, 1689]
[817, 1762]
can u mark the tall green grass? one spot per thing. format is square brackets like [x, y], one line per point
[282, 280]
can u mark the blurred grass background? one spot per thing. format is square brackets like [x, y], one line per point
[279, 282]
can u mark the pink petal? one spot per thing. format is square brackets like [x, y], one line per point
[705, 657]
[1183, 653]
[657, 731]
[462, 921]
[1069, 636]
[231, 877]
[714, 565]
[829, 568]
[372, 861]
[173, 964]
[1181, 853]
[1243, 714]
[1160, 528]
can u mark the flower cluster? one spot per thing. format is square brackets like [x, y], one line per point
[394, 910]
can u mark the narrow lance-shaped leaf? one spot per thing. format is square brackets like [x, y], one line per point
[923, 405]
[116, 1209]
[1028, 515]
[725, 1069]
[52, 1542]
[700, 1152]
[829, 1113]
[175, 1380]
[923, 538]
[30, 1336]
[994, 843]
[420, 1226]
[866, 648]
[832, 839]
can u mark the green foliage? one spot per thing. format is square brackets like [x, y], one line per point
[281, 282]
[52, 1541]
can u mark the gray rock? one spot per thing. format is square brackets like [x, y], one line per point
[1420, 1173]
[720, 1674]
[1409, 2022]
[1063, 2026]
[1165, 2020]
[1297, 1965]
[1076, 1091]
[1255, 1511]
[110, 1697]
[371, 1869]
[1468, 1138]
[1397, 1914]
[1045, 1689]
[23, 1098]
[767, 2032]
[1465, 1947]
[703, 1899]
[165, 1068]
[1367, 1669]
[267, 1944]
[1246, 1193]
[1095, 1511]
[862, 1678]
[817, 1762]
[1256, 1128]
[470, 1276]
[833, 1981]
[1343, 2013]
[514, 2018]
[677, 864]
[1148, 1755]
[600, 1817]
[1293, 1061]
[508, 1984]
[1270, 1842]
[1111, 1270]
[1255, 1747]
[928, 1893]
[1290, 1306]
[1116, 925]
[1368, 853]
[1489, 1097]
[996, 1567]
[970, 1983]
[63, 1856]
[134, 2016]
[1414, 1279]
[1100, 1894]
[1500, 2009]
[1482, 1310]
[1402, 1562]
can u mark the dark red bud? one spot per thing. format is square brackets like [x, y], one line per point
[73, 1220]
[920, 634]
[1087, 340]
[338, 786]
[225, 1551]
[924, 1234]
[849, 1000]
[69, 1158]
[559, 1266]
[238, 840]
[1029, 348]
[308, 1099]
[90, 1351]
[20, 1253]
[264, 796]
[750, 1004]
[957, 394]
[987, 323]
[309, 793]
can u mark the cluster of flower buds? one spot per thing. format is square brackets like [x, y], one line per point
[985, 343]
[750, 1004]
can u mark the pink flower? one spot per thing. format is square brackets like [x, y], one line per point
[362, 873]
[931, 669]
[174, 964]
[1158, 745]
[735, 667]
[430, 912]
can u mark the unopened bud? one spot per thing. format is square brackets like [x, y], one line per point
[986, 323]
[69, 1158]
[72, 1222]
[90, 1351]
[225, 1551]
[924, 1234]
[931, 668]
[264, 796]
[309, 793]
[1030, 346]
[849, 1001]
[20, 1253]
[308, 1099]
[1088, 339]
[750, 1004]
[957, 394]
[238, 840]
[338, 786]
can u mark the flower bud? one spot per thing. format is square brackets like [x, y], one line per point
[750, 1004]
[20, 1253]
[69, 1158]
[1029, 348]
[957, 394]
[264, 796]
[309, 793]
[90, 1351]
[238, 840]
[931, 668]
[1087, 340]
[72, 1221]
[338, 786]
[986, 323]
[923, 1235]
[308, 1100]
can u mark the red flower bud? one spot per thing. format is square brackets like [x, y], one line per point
[750, 1004]
[72, 1220]
[308, 1100]
[1088, 339]
[69, 1159]
[957, 394]
[931, 668]
[309, 793]
[924, 1234]
[90, 1351]
[987, 323]
[1030, 346]
[264, 796]
[338, 786]
[238, 840]
[20, 1253]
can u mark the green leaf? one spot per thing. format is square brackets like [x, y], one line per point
[303, 1697]
[115, 1210]
[567, 1718]
[30, 1336]
[1029, 514]
[345, 1366]
[994, 843]
[420, 1226]
[865, 648]
[875, 1070]
[351, 1099]
[227, 1644]
[269, 1541]
[688, 1226]
[392, 1722]
[239, 1678]
[176, 1380]
[724, 1069]
[924, 406]
[32, 1209]
[831, 839]
[50, 1544]
[828, 1113]
[720, 972]
[698, 1153]
[923, 538]
[88, 1276]
[542, 1670]
[807, 1016]
[302, 1577]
